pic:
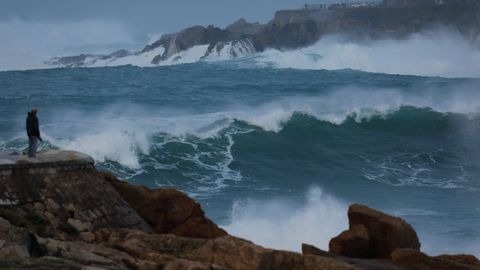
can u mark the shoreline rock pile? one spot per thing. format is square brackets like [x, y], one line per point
[64, 214]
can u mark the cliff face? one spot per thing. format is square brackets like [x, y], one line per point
[291, 29]
[58, 212]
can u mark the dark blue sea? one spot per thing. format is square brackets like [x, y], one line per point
[273, 155]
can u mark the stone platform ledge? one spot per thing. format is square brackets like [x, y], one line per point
[51, 158]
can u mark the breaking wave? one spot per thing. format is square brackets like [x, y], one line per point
[440, 53]
[284, 224]
[134, 141]
[258, 138]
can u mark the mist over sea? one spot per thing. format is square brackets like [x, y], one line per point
[276, 145]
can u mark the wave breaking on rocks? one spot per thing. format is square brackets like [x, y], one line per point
[58, 212]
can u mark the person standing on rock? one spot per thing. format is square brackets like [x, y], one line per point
[33, 133]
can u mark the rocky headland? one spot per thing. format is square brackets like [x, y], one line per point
[292, 29]
[58, 212]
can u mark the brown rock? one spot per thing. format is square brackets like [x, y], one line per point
[39, 207]
[385, 233]
[313, 250]
[416, 260]
[351, 243]
[87, 254]
[79, 225]
[44, 263]
[14, 252]
[227, 252]
[366, 264]
[167, 210]
[10, 234]
[190, 265]
[87, 236]
[462, 258]
[17, 242]
[45, 193]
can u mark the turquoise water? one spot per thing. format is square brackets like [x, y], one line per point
[274, 155]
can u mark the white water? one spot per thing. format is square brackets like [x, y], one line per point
[231, 50]
[141, 60]
[122, 132]
[279, 224]
[439, 53]
[224, 51]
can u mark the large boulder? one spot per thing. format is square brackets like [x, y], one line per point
[352, 243]
[167, 210]
[385, 233]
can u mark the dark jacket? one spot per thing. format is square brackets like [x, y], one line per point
[32, 125]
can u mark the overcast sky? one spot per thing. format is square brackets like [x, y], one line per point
[34, 30]
[146, 16]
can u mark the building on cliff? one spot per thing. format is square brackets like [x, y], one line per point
[413, 3]
[315, 7]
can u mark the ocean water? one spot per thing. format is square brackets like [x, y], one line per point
[273, 154]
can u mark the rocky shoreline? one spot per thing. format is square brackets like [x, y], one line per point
[64, 214]
[293, 29]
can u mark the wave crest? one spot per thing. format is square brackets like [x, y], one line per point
[440, 53]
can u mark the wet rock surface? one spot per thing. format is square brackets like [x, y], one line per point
[64, 214]
[373, 234]
[167, 210]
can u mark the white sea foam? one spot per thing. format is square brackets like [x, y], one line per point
[121, 134]
[279, 224]
[222, 51]
[231, 50]
[100, 135]
[439, 53]
[362, 104]
[188, 56]
[112, 144]
[139, 59]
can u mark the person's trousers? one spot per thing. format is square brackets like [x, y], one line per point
[32, 146]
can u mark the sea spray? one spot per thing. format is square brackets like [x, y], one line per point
[439, 53]
[286, 225]
[270, 135]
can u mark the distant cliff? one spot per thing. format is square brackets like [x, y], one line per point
[292, 29]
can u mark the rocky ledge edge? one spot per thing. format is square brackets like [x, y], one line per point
[58, 212]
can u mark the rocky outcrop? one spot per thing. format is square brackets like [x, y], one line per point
[60, 194]
[86, 59]
[167, 210]
[228, 252]
[354, 242]
[58, 212]
[188, 38]
[243, 28]
[416, 260]
[292, 29]
[373, 234]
